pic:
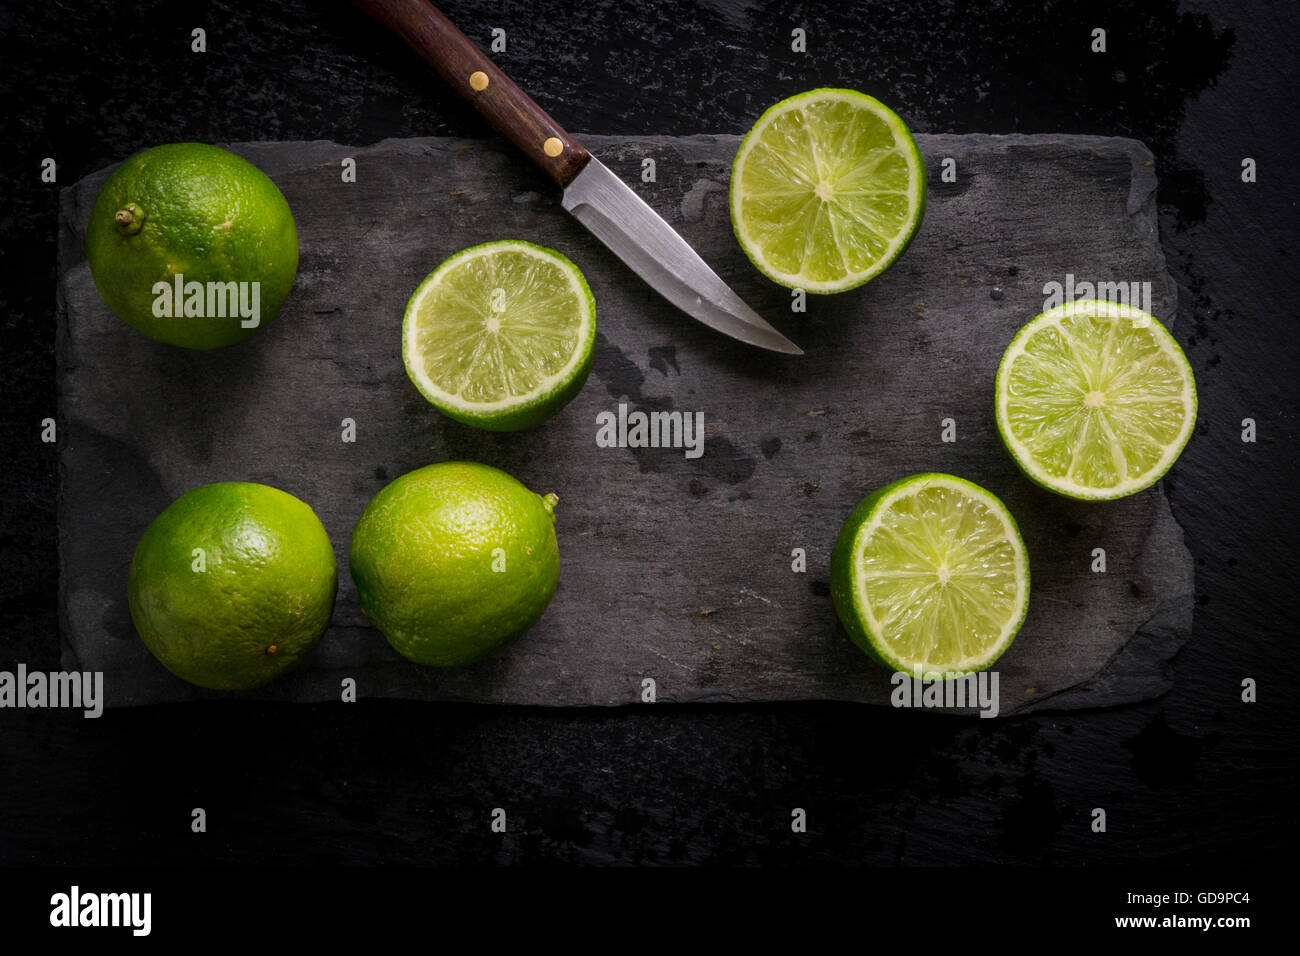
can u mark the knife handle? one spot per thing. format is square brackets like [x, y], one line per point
[480, 82]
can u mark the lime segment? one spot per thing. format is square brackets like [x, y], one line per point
[1095, 400]
[827, 190]
[500, 335]
[930, 576]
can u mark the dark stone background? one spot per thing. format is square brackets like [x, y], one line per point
[1195, 777]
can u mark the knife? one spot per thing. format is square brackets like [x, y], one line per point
[598, 199]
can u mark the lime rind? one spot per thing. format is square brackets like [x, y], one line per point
[504, 370]
[978, 610]
[260, 603]
[878, 231]
[1049, 402]
[196, 211]
[424, 554]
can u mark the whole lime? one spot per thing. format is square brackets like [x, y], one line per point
[233, 584]
[202, 215]
[455, 561]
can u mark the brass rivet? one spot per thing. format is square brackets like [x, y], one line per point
[553, 147]
[478, 80]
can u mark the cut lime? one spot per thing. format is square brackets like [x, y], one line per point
[929, 575]
[1095, 400]
[827, 190]
[500, 335]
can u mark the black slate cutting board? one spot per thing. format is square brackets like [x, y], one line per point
[676, 570]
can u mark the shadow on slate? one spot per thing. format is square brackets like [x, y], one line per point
[673, 569]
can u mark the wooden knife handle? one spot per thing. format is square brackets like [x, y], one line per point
[479, 81]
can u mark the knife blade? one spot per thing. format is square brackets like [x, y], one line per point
[634, 232]
[595, 196]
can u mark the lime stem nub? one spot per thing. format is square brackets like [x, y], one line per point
[129, 219]
[549, 502]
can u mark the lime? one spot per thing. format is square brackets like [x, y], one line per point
[232, 584]
[500, 335]
[203, 214]
[827, 190]
[1094, 400]
[454, 561]
[930, 575]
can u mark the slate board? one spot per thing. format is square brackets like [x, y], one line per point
[673, 569]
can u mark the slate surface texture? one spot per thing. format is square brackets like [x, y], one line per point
[675, 568]
[1192, 777]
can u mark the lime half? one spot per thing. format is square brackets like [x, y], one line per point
[1095, 400]
[500, 335]
[827, 190]
[930, 576]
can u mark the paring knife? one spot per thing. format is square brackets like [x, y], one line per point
[601, 201]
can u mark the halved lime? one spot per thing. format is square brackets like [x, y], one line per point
[827, 190]
[929, 575]
[1095, 400]
[500, 335]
